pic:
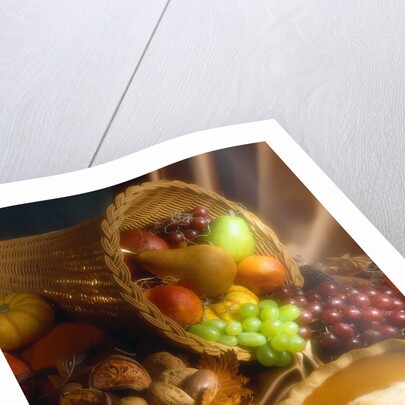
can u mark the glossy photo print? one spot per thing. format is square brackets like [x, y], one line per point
[236, 273]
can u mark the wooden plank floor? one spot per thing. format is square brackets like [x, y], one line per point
[82, 83]
[64, 67]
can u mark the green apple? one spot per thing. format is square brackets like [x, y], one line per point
[232, 234]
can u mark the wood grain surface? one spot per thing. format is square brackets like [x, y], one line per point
[82, 83]
[64, 65]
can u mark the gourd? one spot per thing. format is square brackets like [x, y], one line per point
[227, 309]
[23, 319]
[63, 339]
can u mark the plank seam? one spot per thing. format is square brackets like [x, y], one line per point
[129, 84]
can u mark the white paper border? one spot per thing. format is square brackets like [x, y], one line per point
[9, 388]
[163, 154]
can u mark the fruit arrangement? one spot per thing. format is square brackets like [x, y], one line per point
[238, 298]
[205, 273]
[79, 363]
[182, 277]
[213, 283]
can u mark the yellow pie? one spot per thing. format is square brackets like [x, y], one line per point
[361, 376]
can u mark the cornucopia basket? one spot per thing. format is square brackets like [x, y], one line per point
[81, 269]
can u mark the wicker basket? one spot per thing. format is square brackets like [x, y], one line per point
[81, 269]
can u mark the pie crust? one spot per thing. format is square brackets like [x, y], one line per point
[300, 393]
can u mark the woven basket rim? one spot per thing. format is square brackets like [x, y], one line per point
[131, 292]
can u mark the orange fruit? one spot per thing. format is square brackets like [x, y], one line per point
[260, 274]
[176, 302]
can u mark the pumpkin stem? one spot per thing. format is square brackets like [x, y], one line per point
[4, 308]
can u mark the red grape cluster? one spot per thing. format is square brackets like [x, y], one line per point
[341, 317]
[182, 227]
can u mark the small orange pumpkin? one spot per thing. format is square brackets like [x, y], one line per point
[63, 340]
[23, 319]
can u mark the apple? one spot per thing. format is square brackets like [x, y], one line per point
[138, 240]
[231, 233]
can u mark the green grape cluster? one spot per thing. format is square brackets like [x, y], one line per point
[266, 327]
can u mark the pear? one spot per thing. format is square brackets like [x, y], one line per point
[207, 270]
